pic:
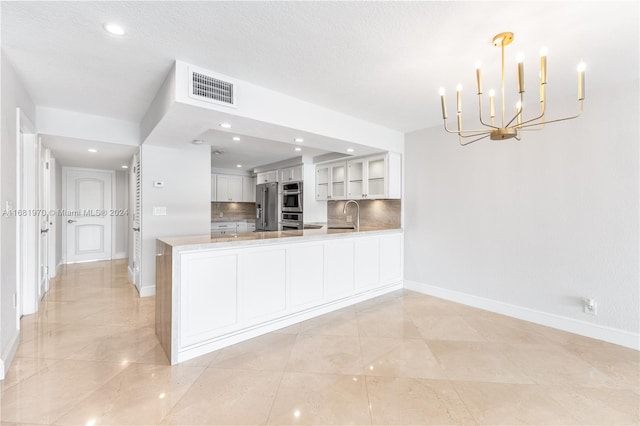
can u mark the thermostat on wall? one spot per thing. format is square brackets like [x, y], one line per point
[158, 184]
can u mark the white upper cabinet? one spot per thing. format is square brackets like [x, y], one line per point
[228, 188]
[292, 174]
[330, 181]
[377, 176]
[248, 189]
[267, 177]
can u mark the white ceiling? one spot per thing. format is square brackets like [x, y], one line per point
[378, 61]
[72, 152]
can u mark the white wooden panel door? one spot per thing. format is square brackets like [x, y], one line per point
[209, 290]
[306, 274]
[88, 220]
[43, 206]
[366, 262]
[338, 264]
[263, 285]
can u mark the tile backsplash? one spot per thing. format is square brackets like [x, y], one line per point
[222, 212]
[372, 213]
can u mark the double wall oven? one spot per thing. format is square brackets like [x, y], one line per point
[292, 202]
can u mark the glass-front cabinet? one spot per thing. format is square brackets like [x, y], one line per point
[367, 177]
[331, 181]
[371, 177]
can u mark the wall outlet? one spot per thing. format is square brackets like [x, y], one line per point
[590, 307]
[221, 214]
[349, 218]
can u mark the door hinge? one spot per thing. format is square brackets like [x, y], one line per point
[46, 165]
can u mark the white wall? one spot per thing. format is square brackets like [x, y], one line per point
[533, 227]
[186, 174]
[58, 218]
[12, 94]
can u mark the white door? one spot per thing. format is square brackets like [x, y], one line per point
[137, 221]
[88, 218]
[43, 208]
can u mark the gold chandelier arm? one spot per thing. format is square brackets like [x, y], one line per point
[470, 142]
[480, 111]
[553, 121]
[466, 135]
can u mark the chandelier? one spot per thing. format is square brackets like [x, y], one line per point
[509, 129]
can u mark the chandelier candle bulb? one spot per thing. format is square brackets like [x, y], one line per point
[520, 60]
[581, 68]
[459, 97]
[478, 77]
[543, 65]
[492, 103]
[444, 104]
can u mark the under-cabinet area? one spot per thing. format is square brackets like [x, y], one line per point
[212, 293]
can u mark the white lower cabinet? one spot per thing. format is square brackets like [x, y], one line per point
[306, 275]
[230, 294]
[208, 287]
[366, 262]
[338, 267]
[263, 286]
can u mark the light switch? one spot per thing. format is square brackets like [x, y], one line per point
[159, 211]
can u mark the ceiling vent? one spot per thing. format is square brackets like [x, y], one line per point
[205, 86]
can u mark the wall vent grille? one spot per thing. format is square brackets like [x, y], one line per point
[210, 89]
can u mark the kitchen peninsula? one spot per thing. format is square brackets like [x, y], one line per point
[213, 292]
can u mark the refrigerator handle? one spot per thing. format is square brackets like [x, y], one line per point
[264, 199]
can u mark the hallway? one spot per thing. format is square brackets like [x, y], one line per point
[90, 356]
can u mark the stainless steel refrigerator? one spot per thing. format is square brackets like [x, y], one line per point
[267, 207]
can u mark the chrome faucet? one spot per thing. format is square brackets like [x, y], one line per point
[344, 210]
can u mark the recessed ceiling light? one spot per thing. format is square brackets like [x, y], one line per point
[238, 165]
[349, 149]
[92, 150]
[114, 29]
[197, 141]
[298, 148]
[236, 138]
[225, 125]
[124, 166]
[298, 140]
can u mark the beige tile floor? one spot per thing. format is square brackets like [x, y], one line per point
[90, 357]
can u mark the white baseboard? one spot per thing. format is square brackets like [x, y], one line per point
[120, 255]
[147, 291]
[583, 328]
[8, 354]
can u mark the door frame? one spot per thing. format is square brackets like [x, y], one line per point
[112, 173]
[24, 126]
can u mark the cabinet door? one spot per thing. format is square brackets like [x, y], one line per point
[355, 181]
[391, 258]
[249, 189]
[376, 177]
[297, 173]
[338, 266]
[263, 284]
[235, 188]
[222, 188]
[322, 182]
[285, 175]
[208, 288]
[213, 188]
[306, 275]
[366, 262]
[338, 189]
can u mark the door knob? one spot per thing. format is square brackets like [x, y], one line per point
[136, 229]
[44, 231]
[71, 221]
